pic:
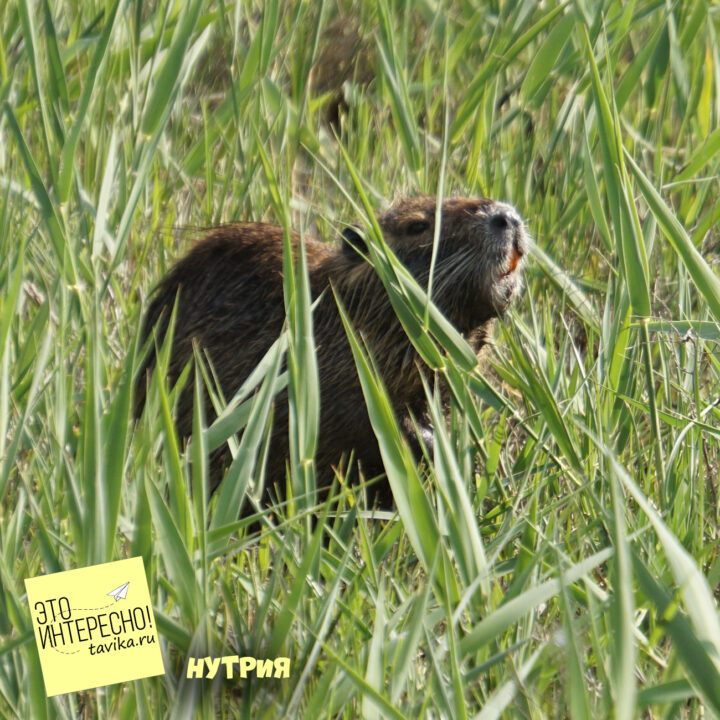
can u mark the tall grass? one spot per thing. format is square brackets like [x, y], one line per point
[556, 555]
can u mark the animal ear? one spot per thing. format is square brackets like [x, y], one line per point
[353, 243]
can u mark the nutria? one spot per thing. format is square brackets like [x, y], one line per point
[230, 291]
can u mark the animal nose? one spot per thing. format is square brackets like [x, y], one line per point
[504, 218]
[506, 228]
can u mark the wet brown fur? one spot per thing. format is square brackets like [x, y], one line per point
[231, 302]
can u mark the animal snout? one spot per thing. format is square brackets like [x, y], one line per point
[503, 218]
[506, 226]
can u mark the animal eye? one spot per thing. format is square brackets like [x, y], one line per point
[417, 227]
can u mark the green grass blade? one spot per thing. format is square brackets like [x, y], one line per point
[410, 498]
[547, 56]
[48, 209]
[622, 608]
[166, 81]
[499, 620]
[375, 665]
[93, 77]
[173, 548]
[504, 695]
[231, 491]
[706, 281]
[493, 62]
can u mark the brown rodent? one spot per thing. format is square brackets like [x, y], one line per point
[230, 290]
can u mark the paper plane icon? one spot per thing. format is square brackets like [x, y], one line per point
[119, 592]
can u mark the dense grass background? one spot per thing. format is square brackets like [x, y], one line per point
[559, 557]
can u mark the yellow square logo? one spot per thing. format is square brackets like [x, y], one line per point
[94, 626]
